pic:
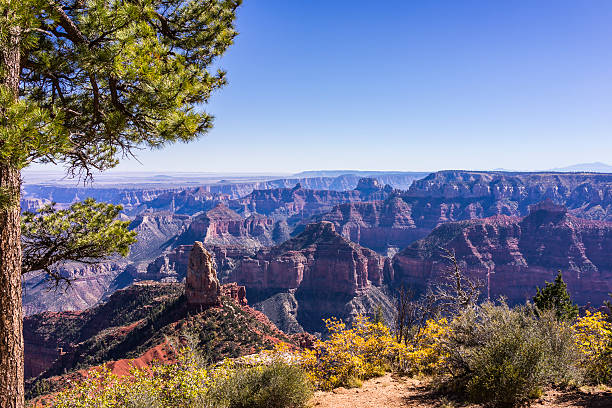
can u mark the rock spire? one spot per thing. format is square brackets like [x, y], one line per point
[202, 285]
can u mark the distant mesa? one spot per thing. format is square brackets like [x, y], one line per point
[547, 209]
[367, 184]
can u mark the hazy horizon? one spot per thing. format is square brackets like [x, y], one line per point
[185, 178]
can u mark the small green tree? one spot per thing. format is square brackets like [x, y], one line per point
[554, 296]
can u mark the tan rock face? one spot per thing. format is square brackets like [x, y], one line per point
[202, 286]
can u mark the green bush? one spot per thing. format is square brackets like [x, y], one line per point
[502, 357]
[278, 385]
[563, 356]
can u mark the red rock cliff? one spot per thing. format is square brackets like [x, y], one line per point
[513, 255]
[222, 226]
[319, 259]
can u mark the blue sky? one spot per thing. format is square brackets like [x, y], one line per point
[408, 85]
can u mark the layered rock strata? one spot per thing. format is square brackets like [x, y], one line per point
[315, 275]
[513, 255]
[223, 226]
[385, 226]
[318, 259]
[299, 203]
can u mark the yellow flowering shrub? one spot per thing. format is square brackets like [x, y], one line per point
[364, 350]
[425, 355]
[101, 389]
[593, 336]
[261, 380]
[181, 384]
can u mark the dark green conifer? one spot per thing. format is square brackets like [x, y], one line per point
[554, 296]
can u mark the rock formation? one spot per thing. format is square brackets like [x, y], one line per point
[235, 292]
[121, 328]
[161, 270]
[319, 272]
[202, 287]
[225, 259]
[448, 196]
[299, 203]
[513, 255]
[156, 230]
[223, 226]
[318, 259]
[131, 198]
[385, 226]
[455, 195]
[241, 218]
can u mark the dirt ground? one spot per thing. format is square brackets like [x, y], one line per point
[393, 392]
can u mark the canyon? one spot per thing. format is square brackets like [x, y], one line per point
[136, 325]
[302, 250]
[244, 225]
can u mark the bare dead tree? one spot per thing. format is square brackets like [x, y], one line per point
[412, 313]
[403, 301]
[455, 291]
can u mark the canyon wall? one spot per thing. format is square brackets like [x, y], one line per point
[380, 225]
[514, 255]
[223, 226]
[299, 204]
[320, 270]
[454, 195]
[89, 284]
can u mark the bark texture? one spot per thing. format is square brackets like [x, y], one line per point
[11, 337]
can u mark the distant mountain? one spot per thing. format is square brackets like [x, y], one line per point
[596, 167]
[362, 173]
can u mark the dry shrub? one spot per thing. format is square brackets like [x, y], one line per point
[502, 357]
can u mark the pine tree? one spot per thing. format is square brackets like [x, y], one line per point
[87, 232]
[554, 296]
[84, 83]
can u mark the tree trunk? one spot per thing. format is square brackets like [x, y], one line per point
[11, 323]
[11, 337]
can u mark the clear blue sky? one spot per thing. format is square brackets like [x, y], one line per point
[409, 85]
